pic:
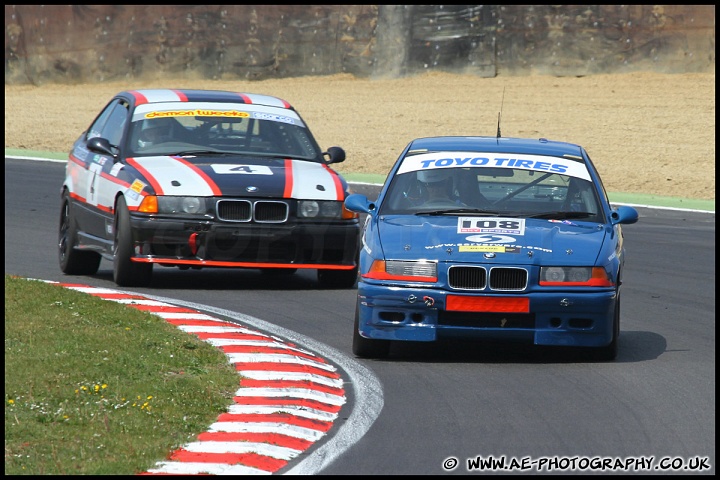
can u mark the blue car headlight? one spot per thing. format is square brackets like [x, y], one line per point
[404, 271]
[575, 276]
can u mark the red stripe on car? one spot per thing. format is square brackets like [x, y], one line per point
[140, 99]
[338, 184]
[288, 179]
[153, 182]
[213, 186]
[181, 95]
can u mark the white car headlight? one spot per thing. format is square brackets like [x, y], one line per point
[308, 209]
[319, 209]
[189, 205]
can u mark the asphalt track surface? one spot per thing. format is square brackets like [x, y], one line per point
[428, 406]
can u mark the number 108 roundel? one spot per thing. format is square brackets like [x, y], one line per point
[491, 238]
[199, 178]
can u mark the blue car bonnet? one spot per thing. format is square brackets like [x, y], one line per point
[538, 241]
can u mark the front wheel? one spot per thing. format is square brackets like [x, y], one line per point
[366, 347]
[73, 261]
[127, 273]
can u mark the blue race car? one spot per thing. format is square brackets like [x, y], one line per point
[490, 238]
[199, 178]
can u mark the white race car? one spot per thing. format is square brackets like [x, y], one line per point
[195, 179]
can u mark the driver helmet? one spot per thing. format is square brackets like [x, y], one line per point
[436, 176]
[154, 131]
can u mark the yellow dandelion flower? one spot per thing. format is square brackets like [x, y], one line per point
[149, 397]
[104, 385]
[11, 401]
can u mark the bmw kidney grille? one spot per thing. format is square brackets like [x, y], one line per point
[261, 211]
[475, 278]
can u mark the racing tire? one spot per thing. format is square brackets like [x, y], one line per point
[365, 347]
[609, 352]
[127, 273]
[337, 278]
[73, 261]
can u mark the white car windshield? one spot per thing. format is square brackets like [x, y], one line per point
[237, 129]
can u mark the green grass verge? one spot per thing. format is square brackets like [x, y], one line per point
[15, 152]
[96, 387]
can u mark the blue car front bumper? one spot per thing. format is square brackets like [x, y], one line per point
[570, 318]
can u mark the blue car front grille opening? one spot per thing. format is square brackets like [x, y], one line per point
[525, 321]
[475, 278]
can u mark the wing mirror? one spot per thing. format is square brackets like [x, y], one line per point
[100, 145]
[359, 203]
[624, 214]
[334, 155]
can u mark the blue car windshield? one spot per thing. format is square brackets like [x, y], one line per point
[492, 191]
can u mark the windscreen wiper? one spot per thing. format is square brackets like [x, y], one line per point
[189, 153]
[278, 156]
[561, 215]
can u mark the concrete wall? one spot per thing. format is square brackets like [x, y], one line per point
[96, 43]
